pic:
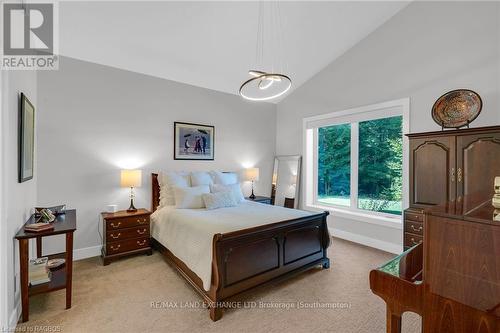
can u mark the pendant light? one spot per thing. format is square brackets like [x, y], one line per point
[265, 85]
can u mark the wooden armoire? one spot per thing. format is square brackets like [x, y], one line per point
[445, 166]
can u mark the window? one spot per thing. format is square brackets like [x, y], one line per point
[380, 165]
[334, 165]
[357, 159]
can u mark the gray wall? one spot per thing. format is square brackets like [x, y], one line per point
[18, 200]
[95, 120]
[422, 52]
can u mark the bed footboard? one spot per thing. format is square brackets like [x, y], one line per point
[248, 258]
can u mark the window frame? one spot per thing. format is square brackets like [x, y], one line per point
[353, 116]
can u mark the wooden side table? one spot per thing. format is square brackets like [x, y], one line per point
[125, 233]
[261, 199]
[62, 277]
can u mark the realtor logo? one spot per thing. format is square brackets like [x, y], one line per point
[29, 36]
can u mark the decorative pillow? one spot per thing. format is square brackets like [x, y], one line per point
[219, 200]
[167, 181]
[190, 197]
[227, 178]
[234, 189]
[201, 178]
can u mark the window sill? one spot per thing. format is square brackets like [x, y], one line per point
[391, 222]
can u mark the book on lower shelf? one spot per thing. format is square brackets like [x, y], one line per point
[38, 273]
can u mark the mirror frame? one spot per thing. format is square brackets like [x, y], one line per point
[286, 158]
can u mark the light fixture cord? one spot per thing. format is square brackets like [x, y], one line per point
[282, 40]
[259, 50]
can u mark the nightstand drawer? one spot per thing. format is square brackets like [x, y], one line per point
[127, 245]
[412, 239]
[127, 222]
[414, 227]
[121, 234]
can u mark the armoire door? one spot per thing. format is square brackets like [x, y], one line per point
[478, 162]
[432, 171]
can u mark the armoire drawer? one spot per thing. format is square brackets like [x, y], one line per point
[413, 227]
[412, 239]
[412, 215]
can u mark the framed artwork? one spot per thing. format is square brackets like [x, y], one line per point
[193, 141]
[26, 139]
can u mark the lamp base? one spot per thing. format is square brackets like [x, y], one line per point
[132, 208]
[252, 196]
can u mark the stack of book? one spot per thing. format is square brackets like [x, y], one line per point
[38, 272]
[38, 227]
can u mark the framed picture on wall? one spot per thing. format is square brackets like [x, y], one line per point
[193, 141]
[26, 139]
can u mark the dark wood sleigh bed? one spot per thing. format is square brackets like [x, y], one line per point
[251, 257]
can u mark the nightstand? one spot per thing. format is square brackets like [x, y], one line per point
[125, 233]
[259, 199]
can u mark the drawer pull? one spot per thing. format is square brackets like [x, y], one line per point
[115, 226]
[141, 222]
[416, 229]
[452, 175]
[459, 175]
[113, 248]
[117, 236]
[414, 242]
[141, 232]
[141, 243]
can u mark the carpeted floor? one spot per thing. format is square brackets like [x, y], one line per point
[144, 294]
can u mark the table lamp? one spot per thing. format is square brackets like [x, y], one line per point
[252, 174]
[131, 178]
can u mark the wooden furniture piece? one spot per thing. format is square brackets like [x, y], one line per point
[251, 257]
[61, 277]
[289, 203]
[261, 199]
[446, 165]
[125, 233]
[451, 279]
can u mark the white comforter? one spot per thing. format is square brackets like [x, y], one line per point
[188, 233]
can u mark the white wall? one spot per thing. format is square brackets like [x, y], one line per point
[18, 200]
[422, 52]
[95, 120]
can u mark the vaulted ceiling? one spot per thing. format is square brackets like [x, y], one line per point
[213, 44]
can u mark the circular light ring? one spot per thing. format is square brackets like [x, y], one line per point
[262, 77]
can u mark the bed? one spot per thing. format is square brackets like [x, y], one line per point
[236, 249]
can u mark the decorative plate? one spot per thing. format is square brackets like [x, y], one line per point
[457, 108]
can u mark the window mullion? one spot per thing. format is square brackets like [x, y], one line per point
[354, 164]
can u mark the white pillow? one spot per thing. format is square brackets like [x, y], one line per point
[167, 181]
[219, 200]
[201, 178]
[227, 178]
[235, 190]
[190, 197]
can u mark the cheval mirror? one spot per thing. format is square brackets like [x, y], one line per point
[286, 181]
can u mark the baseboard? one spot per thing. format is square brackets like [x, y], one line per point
[368, 241]
[15, 315]
[87, 252]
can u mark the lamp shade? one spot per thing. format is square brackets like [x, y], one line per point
[131, 178]
[252, 174]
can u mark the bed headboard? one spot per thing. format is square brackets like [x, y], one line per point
[155, 192]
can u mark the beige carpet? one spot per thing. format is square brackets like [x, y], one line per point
[118, 297]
